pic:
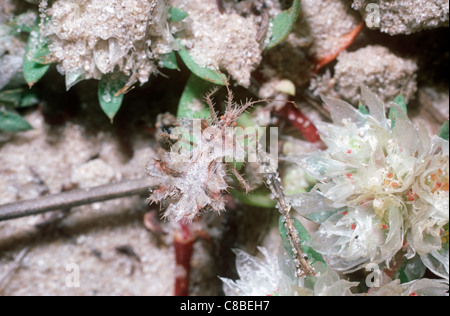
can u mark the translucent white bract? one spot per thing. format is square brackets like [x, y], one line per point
[381, 186]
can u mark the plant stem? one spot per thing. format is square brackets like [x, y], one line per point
[16, 266]
[301, 122]
[272, 179]
[303, 268]
[347, 40]
[184, 245]
[73, 198]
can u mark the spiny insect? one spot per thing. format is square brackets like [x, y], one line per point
[191, 181]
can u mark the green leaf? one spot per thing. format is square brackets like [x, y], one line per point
[24, 22]
[363, 109]
[13, 122]
[192, 104]
[411, 269]
[34, 64]
[394, 111]
[443, 133]
[313, 256]
[283, 24]
[258, 198]
[168, 61]
[18, 98]
[108, 87]
[176, 14]
[205, 73]
[29, 98]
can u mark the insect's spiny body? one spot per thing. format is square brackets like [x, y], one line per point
[197, 182]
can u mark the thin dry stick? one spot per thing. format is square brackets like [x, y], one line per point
[16, 265]
[73, 198]
[303, 268]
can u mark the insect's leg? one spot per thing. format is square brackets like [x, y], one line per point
[210, 102]
[241, 180]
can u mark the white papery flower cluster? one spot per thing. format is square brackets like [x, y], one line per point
[421, 287]
[90, 38]
[383, 185]
[266, 277]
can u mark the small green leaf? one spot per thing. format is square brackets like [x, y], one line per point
[394, 111]
[29, 98]
[24, 22]
[192, 104]
[400, 101]
[313, 256]
[168, 61]
[283, 24]
[108, 87]
[18, 98]
[411, 269]
[11, 97]
[34, 64]
[207, 74]
[176, 14]
[363, 109]
[13, 122]
[443, 133]
[259, 198]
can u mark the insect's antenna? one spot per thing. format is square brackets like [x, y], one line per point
[280, 100]
[225, 79]
[127, 87]
[226, 82]
[246, 105]
[208, 99]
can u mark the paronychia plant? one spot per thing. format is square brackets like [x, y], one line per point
[117, 44]
[381, 203]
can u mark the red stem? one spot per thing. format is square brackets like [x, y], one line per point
[183, 244]
[348, 39]
[301, 122]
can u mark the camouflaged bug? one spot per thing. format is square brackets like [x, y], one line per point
[192, 181]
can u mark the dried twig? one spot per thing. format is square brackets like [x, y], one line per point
[69, 199]
[16, 265]
[303, 268]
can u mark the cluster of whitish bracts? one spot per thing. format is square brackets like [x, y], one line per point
[267, 276]
[381, 201]
[384, 187]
